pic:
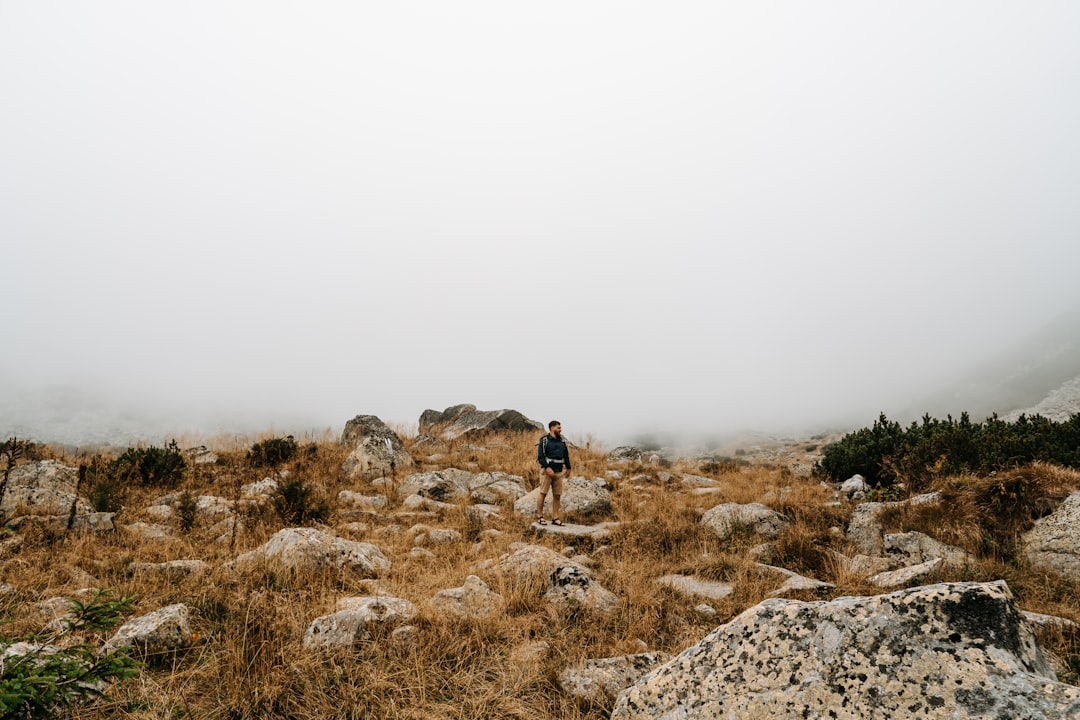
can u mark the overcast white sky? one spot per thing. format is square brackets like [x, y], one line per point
[690, 215]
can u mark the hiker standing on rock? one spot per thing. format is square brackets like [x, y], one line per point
[554, 457]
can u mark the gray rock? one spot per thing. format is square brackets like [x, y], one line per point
[689, 585]
[472, 601]
[563, 580]
[953, 651]
[793, 581]
[312, 549]
[376, 449]
[354, 620]
[1054, 542]
[166, 629]
[446, 486]
[1041, 621]
[865, 530]
[359, 501]
[599, 531]
[149, 531]
[465, 420]
[43, 488]
[171, 569]
[600, 681]
[495, 487]
[581, 497]
[625, 455]
[724, 519]
[93, 522]
[905, 575]
[912, 548]
[854, 484]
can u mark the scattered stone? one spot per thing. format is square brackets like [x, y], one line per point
[865, 530]
[625, 455]
[600, 681]
[563, 580]
[166, 629]
[726, 518]
[148, 531]
[358, 501]
[354, 619]
[472, 601]
[172, 570]
[689, 585]
[311, 549]
[855, 487]
[905, 575]
[581, 497]
[914, 547]
[495, 487]
[594, 532]
[793, 582]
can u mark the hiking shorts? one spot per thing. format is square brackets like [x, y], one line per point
[551, 482]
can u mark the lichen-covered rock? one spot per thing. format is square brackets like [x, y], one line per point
[43, 488]
[865, 530]
[354, 619]
[601, 680]
[1054, 542]
[953, 650]
[905, 575]
[724, 519]
[912, 548]
[166, 629]
[313, 549]
[581, 496]
[473, 600]
[562, 580]
[375, 449]
[495, 487]
[462, 420]
[446, 486]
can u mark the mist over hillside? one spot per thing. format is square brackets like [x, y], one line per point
[1032, 375]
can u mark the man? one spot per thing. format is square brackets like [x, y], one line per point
[554, 457]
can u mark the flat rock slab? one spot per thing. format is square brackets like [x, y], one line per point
[689, 585]
[593, 532]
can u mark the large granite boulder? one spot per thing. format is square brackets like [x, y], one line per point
[726, 518]
[1054, 542]
[952, 650]
[312, 549]
[581, 497]
[376, 449]
[459, 420]
[43, 488]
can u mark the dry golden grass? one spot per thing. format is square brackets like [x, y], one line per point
[249, 661]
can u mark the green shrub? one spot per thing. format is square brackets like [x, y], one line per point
[272, 452]
[152, 466]
[297, 502]
[187, 509]
[44, 678]
[887, 453]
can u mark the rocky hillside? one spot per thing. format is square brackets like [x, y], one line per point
[410, 577]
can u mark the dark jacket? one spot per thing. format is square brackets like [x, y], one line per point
[553, 453]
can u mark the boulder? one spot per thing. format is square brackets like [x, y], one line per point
[495, 487]
[1054, 542]
[472, 601]
[952, 650]
[166, 629]
[445, 486]
[912, 548]
[865, 530]
[562, 580]
[855, 487]
[625, 455]
[581, 497]
[354, 620]
[312, 549]
[600, 681]
[43, 488]
[726, 518]
[462, 420]
[376, 449]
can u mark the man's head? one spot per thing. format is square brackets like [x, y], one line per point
[555, 428]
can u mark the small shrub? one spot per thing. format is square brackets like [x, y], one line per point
[102, 487]
[272, 452]
[152, 466]
[297, 501]
[41, 681]
[187, 509]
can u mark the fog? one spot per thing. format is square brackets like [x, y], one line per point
[696, 217]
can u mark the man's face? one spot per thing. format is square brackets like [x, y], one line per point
[556, 430]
